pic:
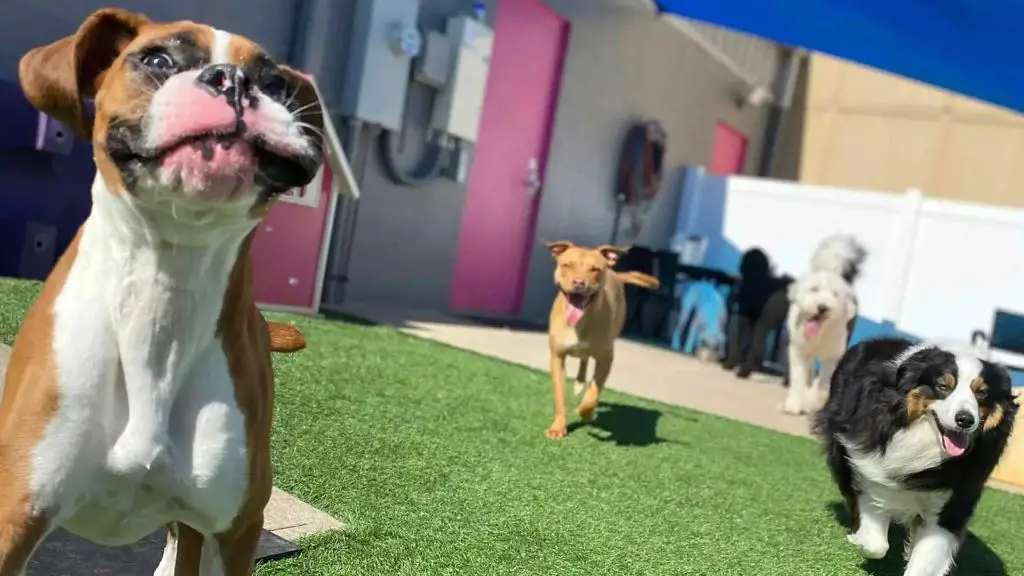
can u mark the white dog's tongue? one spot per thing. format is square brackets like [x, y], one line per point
[955, 444]
[573, 313]
[812, 328]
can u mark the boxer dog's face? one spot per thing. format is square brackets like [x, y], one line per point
[189, 120]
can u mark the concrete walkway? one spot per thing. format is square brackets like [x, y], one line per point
[640, 370]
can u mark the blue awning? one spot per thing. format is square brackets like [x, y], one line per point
[974, 47]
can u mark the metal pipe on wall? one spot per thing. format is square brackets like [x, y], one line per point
[785, 90]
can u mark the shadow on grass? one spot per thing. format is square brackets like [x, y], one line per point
[624, 424]
[340, 316]
[975, 557]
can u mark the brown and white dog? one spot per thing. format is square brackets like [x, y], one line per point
[139, 392]
[587, 316]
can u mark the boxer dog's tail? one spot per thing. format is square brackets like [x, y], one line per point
[285, 338]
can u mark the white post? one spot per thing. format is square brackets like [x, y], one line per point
[693, 190]
[902, 254]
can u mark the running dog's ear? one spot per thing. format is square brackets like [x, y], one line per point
[558, 247]
[613, 253]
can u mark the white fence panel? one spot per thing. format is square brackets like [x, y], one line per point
[962, 267]
[936, 268]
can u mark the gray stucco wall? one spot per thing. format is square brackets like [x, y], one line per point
[619, 67]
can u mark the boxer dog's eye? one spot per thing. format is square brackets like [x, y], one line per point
[157, 59]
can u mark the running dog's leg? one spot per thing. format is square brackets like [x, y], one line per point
[800, 367]
[581, 377]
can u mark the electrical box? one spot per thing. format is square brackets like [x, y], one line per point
[385, 39]
[434, 66]
[459, 105]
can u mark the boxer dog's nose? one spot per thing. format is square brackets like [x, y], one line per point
[226, 80]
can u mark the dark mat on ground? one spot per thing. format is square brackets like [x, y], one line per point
[64, 554]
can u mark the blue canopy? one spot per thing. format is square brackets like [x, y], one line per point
[974, 47]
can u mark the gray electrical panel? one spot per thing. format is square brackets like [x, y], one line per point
[376, 74]
[433, 67]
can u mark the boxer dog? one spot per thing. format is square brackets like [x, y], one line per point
[139, 392]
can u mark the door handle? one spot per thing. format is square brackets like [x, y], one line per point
[533, 182]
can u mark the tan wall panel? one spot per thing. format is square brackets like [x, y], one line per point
[900, 156]
[866, 88]
[868, 129]
[971, 110]
[824, 77]
[982, 163]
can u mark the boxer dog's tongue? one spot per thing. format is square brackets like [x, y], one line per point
[575, 304]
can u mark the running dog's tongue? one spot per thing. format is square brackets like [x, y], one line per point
[812, 328]
[573, 313]
[955, 444]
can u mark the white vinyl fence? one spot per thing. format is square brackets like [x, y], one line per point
[936, 269]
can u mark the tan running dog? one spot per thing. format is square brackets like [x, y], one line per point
[139, 392]
[587, 316]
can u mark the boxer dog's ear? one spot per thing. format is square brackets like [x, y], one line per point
[57, 78]
[304, 100]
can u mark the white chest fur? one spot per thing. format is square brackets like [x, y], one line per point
[911, 450]
[569, 342]
[147, 429]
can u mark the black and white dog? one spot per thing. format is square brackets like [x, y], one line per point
[911, 433]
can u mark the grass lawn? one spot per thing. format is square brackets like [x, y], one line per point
[436, 460]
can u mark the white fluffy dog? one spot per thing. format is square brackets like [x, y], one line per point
[822, 307]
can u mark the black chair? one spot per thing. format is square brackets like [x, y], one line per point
[648, 311]
[661, 303]
[638, 259]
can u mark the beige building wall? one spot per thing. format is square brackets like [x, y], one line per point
[855, 126]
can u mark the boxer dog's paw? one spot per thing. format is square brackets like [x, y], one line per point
[136, 454]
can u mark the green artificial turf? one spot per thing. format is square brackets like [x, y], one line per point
[436, 460]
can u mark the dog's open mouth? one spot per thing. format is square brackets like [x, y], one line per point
[575, 306]
[953, 442]
[812, 326]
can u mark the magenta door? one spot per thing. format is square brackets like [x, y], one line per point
[500, 212]
[729, 151]
[286, 250]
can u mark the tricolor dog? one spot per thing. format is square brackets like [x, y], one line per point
[912, 433]
[139, 392]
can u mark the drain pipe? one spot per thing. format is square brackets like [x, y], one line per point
[785, 89]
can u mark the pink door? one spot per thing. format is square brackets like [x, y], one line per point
[498, 220]
[729, 151]
[286, 250]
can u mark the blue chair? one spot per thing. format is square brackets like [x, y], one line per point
[702, 318]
